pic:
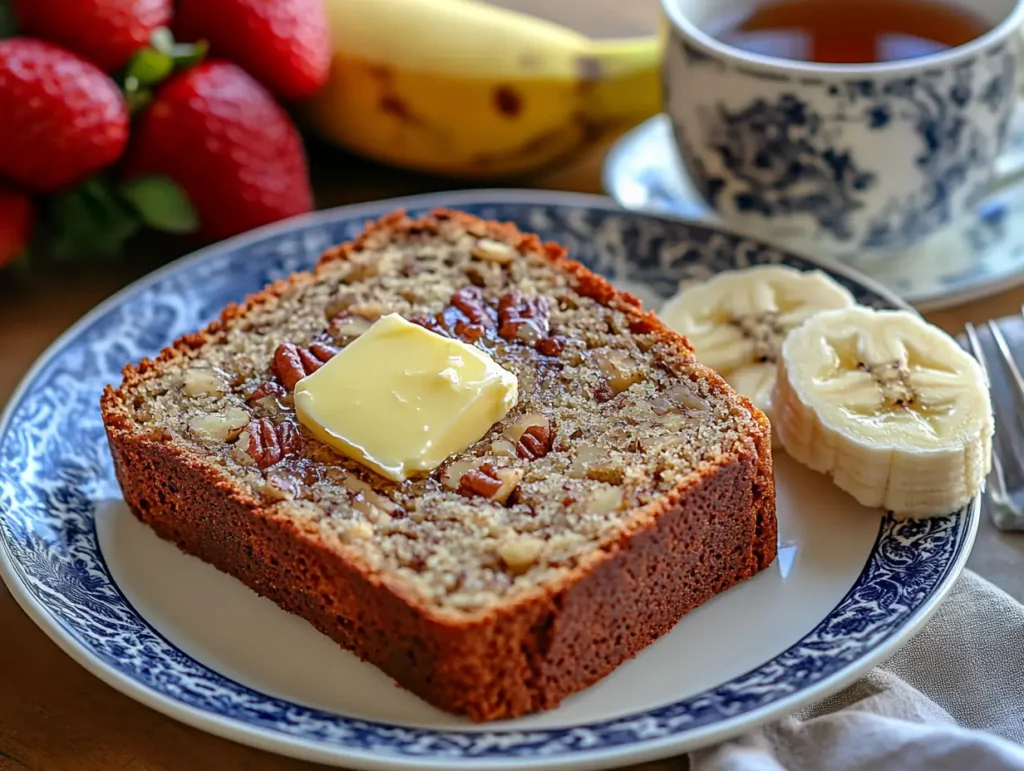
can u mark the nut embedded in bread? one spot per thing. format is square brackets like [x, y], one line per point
[627, 486]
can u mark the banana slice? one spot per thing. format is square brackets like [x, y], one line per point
[888, 405]
[738, 320]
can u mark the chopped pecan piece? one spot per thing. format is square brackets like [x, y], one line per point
[521, 553]
[605, 500]
[370, 310]
[360, 270]
[587, 455]
[678, 399]
[323, 351]
[270, 443]
[487, 481]
[282, 486]
[219, 426]
[482, 482]
[470, 300]
[489, 250]
[604, 392]
[523, 318]
[621, 369]
[551, 346]
[503, 448]
[468, 316]
[272, 398]
[348, 326]
[340, 304]
[468, 332]
[531, 435]
[433, 323]
[270, 388]
[535, 442]
[203, 381]
[293, 362]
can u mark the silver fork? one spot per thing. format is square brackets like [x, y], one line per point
[1004, 493]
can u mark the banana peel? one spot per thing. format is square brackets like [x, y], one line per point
[466, 89]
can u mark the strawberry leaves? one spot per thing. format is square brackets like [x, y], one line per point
[182, 54]
[151, 66]
[89, 219]
[161, 204]
[8, 24]
[97, 217]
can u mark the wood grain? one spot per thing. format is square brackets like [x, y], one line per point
[56, 716]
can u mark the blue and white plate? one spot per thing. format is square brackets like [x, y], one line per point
[850, 585]
[980, 256]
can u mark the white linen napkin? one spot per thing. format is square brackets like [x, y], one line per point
[952, 699]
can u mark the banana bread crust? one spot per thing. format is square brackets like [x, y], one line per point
[523, 655]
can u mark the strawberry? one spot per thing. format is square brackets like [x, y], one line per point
[284, 44]
[16, 220]
[223, 139]
[105, 32]
[62, 119]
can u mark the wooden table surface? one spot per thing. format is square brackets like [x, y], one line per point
[54, 716]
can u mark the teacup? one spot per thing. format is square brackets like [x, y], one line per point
[841, 160]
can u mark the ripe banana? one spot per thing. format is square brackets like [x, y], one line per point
[468, 89]
[737, 321]
[888, 405]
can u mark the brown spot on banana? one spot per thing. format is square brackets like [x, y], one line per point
[394, 105]
[508, 101]
[380, 72]
[585, 133]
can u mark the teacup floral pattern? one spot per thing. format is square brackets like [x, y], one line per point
[872, 162]
[783, 154]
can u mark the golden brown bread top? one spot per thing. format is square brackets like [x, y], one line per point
[615, 417]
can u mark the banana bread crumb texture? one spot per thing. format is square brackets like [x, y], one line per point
[625, 417]
[629, 484]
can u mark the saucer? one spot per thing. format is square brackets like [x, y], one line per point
[981, 256]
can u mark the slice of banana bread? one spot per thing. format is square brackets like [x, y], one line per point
[629, 485]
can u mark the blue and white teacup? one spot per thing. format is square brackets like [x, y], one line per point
[842, 160]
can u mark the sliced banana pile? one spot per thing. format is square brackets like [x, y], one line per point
[888, 405]
[737, 321]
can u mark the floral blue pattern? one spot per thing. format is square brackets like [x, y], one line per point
[780, 156]
[786, 160]
[55, 470]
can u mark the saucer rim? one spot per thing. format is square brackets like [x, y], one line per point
[700, 214]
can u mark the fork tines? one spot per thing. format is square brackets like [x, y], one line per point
[1005, 490]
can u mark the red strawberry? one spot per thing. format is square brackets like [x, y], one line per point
[106, 32]
[62, 119]
[219, 134]
[15, 224]
[284, 44]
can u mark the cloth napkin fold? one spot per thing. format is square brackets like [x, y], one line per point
[952, 699]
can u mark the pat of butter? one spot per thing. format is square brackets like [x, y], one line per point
[401, 399]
